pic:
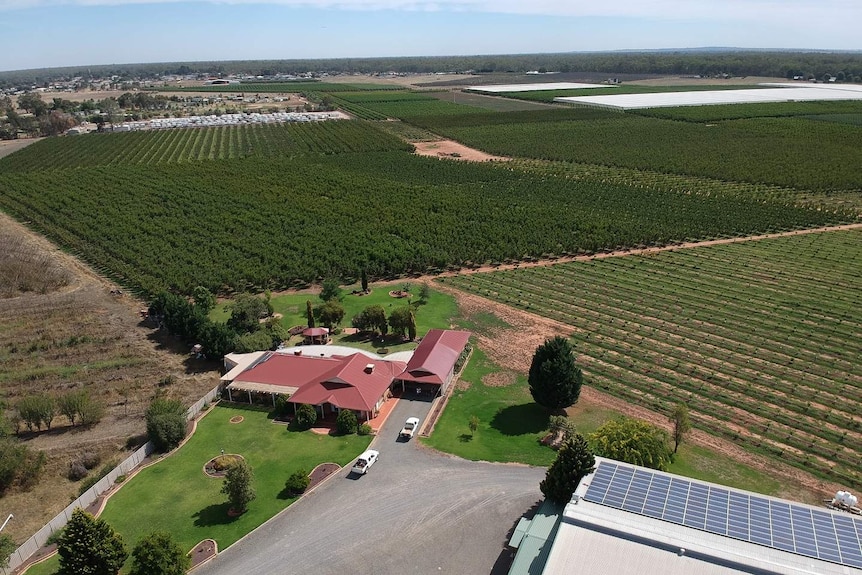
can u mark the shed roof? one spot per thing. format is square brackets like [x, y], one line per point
[435, 357]
[315, 331]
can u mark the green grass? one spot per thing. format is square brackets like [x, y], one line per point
[510, 423]
[176, 496]
[435, 313]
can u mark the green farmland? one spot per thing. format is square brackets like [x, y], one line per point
[761, 339]
[294, 203]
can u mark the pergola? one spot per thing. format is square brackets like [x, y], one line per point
[316, 335]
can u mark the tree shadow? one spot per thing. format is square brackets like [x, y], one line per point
[214, 515]
[465, 438]
[521, 419]
[287, 494]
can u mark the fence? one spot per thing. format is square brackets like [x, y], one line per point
[37, 541]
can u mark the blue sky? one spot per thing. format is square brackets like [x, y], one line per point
[40, 33]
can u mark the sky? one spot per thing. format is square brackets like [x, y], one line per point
[46, 33]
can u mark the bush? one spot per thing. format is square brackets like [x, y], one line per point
[19, 464]
[166, 423]
[297, 483]
[346, 422]
[90, 460]
[306, 416]
[282, 406]
[364, 429]
[77, 471]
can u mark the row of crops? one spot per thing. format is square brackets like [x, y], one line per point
[276, 221]
[761, 339]
[193, 144]
[740, 111]
[792, 152]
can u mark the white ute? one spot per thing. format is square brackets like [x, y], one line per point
[365, 461]
[410, 427]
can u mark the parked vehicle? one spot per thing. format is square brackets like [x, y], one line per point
[365, 461]
[410, 427]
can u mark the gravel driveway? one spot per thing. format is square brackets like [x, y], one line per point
[416, 511]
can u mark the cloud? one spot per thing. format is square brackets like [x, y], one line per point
[793, 12]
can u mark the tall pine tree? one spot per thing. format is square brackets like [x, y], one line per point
[555, 381]
[574, 461]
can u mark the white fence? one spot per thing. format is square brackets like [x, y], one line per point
[38, 540]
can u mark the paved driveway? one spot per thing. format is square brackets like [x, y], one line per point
[416, 511]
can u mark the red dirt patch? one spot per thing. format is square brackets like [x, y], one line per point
[399, 293]
[321, 472]
[237, 419]
[203, 552]
[453, 151]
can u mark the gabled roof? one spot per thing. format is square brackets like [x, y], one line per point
[435, 357]
[348, 383]
[290, 371]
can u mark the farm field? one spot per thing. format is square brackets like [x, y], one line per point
[611, 90]
[760, 338]
[148, 226]
[149, 148]
[792, 152]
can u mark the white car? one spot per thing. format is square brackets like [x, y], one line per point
[410, 427]
[365, 461]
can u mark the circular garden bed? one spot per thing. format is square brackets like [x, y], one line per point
[218, 466]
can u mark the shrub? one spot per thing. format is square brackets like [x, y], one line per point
[297, 483]
[19, 464]
[120, 479]
[364, 429]
[89, 460]
[346, 421]
[282, 406]
[167, 381]
[77, 471]
[166, 423]
[306, 416]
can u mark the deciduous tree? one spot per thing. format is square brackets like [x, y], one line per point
[89, 546]
[159, 554]
[346, 421]
[238, 486]
[681, 424]
[555, 381]
[330, 313]
[573, 462]
[633, 441]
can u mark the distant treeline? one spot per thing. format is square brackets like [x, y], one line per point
[814, 64]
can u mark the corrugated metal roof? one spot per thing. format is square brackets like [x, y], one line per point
[435, 357]
[535, 544]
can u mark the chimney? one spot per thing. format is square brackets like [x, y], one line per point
[369, 368]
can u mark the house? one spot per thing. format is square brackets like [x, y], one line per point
[432, 367]
[357, 381]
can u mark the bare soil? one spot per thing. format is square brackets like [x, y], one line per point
[81, 336]
[445, 148]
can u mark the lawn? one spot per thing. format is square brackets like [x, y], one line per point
[176, 496]
[435, 313]
[511, 425]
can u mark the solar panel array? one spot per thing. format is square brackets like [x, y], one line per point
[822, 534]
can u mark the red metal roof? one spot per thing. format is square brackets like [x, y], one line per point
[315, 331]
[348, 384]
[287, 370]
[436, 356]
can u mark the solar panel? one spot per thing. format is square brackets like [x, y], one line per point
[799, 529]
